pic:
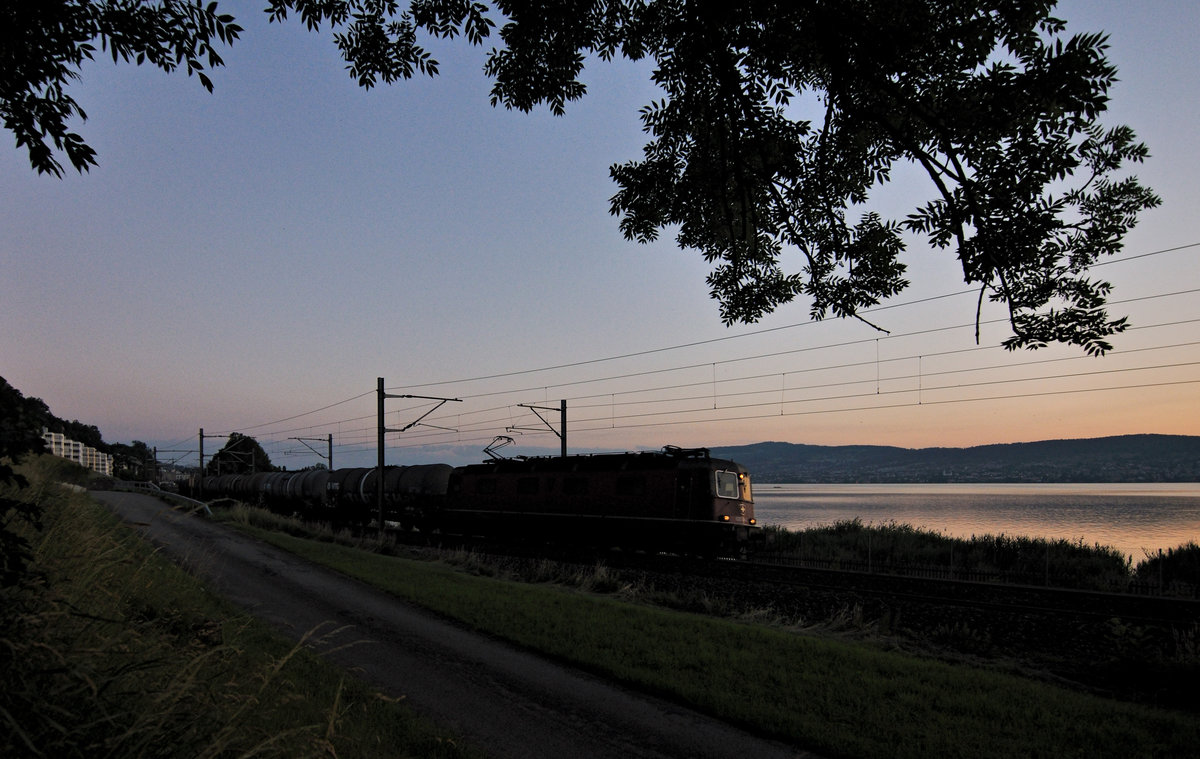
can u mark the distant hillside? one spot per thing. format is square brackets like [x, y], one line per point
[1126, 458]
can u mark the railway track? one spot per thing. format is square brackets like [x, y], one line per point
[784, 578]
[1122, 645]
[1096, 605]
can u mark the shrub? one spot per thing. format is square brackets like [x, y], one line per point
[1175, 566]
[852, 544]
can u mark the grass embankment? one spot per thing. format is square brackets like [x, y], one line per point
[837, 697]
[109, 650]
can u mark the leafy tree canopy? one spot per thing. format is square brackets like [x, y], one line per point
[46, 41]
[134, 461]
[21, 421]
[241, 454]
[777, 122]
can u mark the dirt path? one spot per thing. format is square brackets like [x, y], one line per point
[499, 697]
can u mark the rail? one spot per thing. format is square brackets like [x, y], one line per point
[1173, 588]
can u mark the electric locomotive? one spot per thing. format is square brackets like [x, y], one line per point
[680, 500]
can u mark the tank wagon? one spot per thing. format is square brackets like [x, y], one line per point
[679, 500]
[411, 494]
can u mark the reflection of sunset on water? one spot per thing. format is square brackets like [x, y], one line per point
[1134, 518]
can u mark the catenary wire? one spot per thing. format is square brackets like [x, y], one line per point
[699, 343]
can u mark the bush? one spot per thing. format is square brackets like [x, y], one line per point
[1175, 567]
[893, 547]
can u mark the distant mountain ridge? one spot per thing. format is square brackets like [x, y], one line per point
[1123, 458]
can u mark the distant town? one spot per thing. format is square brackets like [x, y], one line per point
[1126, 458]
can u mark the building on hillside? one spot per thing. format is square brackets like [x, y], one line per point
[84, 455]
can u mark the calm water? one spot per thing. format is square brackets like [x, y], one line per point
[1135, 518]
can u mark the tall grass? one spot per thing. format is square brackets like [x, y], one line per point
[1174, 569]
[108, 650]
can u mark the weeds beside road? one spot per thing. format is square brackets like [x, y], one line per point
[107, 649]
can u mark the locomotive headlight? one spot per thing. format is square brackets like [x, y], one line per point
[724, 517]
[753, 520]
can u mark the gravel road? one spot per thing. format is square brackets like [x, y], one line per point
[498, 697]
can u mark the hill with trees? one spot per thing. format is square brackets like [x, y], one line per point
[25, 417]
[1125, 458]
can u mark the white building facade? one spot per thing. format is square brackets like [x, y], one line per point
[86, 456]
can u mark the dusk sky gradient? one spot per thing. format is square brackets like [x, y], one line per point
[251, 260]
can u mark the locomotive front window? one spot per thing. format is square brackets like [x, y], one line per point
[727, 485]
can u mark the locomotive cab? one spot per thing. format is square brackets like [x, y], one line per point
[733, 502]
[715, 499]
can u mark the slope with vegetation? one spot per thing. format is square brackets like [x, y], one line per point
[1124, 458]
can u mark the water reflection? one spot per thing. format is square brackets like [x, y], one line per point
[1135, 518]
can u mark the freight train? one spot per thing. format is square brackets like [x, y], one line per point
[675, 500]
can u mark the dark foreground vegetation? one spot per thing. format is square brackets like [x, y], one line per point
[109, 651]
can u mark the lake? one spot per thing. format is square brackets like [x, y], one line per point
[1135, 518]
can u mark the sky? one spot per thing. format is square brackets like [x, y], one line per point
[253, 259]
